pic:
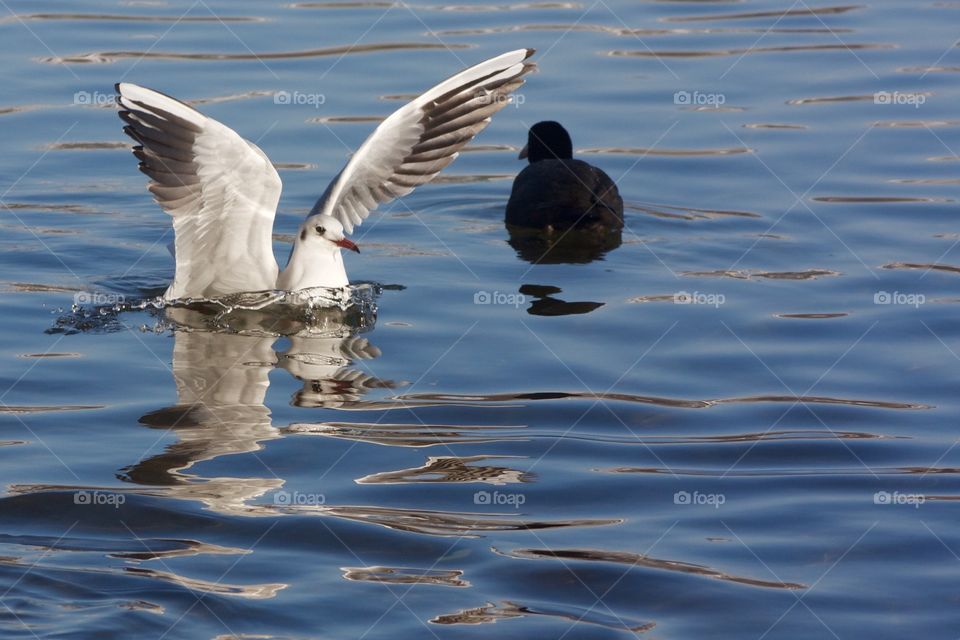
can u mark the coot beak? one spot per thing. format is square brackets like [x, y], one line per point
[347, 244]
[524, 152]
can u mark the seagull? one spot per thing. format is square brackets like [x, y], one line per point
[222, 190]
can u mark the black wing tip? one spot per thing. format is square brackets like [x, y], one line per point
[528, 64]
[133, 135]
[116, 86]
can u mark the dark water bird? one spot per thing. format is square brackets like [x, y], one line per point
[556, 192]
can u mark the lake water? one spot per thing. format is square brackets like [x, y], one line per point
[738, 422]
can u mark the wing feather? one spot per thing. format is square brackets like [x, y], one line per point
[411, 146]
[221, 190]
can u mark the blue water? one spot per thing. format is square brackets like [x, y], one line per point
[738, 423]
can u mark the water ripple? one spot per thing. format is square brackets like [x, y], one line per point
[730, 472]
[251, 591]
[464, 8]
[493, 613]
[115, 17]
[775, 125]
[509, 399]
[688, 213]
[645, 561]
[659, 151]
[753, 15]
[915, 124]
[447, 523]
[107, 57]
[705, 53]
[398, 575]
[405, 435]
[630, 32]
[22, 409]
[926, 266]
[812, 316]
[809, 274]
[876, 199]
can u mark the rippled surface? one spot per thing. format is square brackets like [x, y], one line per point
[736, 420]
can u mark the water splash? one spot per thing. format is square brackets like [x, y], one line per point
[257, 312]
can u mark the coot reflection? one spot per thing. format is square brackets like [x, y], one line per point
[561, 210]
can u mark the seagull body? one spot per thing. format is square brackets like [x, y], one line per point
[222, 191]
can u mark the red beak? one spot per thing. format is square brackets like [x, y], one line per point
[347, 244]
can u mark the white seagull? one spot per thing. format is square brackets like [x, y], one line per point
[222, 190]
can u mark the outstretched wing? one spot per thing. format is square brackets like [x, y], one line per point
[418, 140]
[221, 190]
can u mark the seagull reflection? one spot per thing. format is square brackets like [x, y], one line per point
[221, 366]
[448, 469]
[222, 377]
[323, 364]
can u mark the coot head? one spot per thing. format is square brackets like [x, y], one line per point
[547, 140]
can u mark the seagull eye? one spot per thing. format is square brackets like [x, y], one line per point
[320, 230]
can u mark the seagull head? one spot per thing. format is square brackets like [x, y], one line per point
[325, 233]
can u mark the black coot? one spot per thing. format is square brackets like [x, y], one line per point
[557, 192]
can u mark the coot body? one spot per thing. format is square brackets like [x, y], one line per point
[556, 191]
